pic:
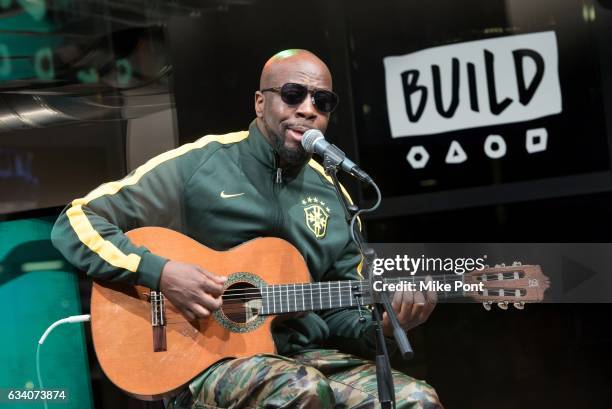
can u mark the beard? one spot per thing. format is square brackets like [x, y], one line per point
[291, 158]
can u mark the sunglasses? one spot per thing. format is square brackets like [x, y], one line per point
[294, 94]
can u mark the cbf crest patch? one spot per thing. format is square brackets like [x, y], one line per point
[316, 216]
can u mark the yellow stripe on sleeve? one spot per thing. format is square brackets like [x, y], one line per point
[104, 248]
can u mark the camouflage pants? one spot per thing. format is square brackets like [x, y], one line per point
[315, 379]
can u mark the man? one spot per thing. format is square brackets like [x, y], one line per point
[222, 191]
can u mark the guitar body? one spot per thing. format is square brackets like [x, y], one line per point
[148, 349]
[121, 315]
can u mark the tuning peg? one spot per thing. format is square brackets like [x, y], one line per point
[516, 263]
[519, 305]
[486, 266]
[498, 265]
[487, 305]
[503, 305]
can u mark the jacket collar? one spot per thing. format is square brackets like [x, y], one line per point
[261, 149]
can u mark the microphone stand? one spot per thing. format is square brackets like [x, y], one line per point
[384, 377]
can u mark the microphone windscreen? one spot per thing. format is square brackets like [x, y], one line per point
[309, 139]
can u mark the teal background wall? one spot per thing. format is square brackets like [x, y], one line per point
[38, 287]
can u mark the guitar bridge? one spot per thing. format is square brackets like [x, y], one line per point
[158, 321]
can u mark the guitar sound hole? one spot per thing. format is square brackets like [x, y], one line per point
[241, 302]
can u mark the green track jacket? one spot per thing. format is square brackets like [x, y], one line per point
[221, 190]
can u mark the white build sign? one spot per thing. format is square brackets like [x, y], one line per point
[473, 84]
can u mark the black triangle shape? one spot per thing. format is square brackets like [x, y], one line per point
[574, 274]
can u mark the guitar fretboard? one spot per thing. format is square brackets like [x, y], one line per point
[285, 298]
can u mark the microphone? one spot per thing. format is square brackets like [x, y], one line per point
[313, 141]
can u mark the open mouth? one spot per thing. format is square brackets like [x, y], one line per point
[296, 132]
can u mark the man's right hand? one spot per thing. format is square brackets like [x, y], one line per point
[193, 290]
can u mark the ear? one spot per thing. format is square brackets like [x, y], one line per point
[259, 104]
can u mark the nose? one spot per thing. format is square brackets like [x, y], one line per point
[306, 109]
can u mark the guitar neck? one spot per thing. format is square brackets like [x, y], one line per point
[299, 297]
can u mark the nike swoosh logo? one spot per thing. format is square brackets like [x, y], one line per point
[226, 196]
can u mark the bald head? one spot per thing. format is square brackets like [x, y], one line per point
[297, 64]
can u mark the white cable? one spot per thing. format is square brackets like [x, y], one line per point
[72, 319]
[40, 384]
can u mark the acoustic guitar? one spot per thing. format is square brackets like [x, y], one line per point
[148, 349]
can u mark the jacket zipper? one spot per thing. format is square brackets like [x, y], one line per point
[279, 175]
[278, 183]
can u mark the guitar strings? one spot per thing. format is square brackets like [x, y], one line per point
[333, 283]
[345, 288]
[306, 306]
[343, 293]
[332, 286]
[297, 292]
[239, 308]
[491, 277]
[333, 290]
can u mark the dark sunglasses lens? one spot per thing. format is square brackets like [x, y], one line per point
[325, 101]
[293, 94]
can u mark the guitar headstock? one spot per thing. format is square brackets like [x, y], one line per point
[516, 284]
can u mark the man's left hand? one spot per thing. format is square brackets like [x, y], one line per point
[412, 308]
